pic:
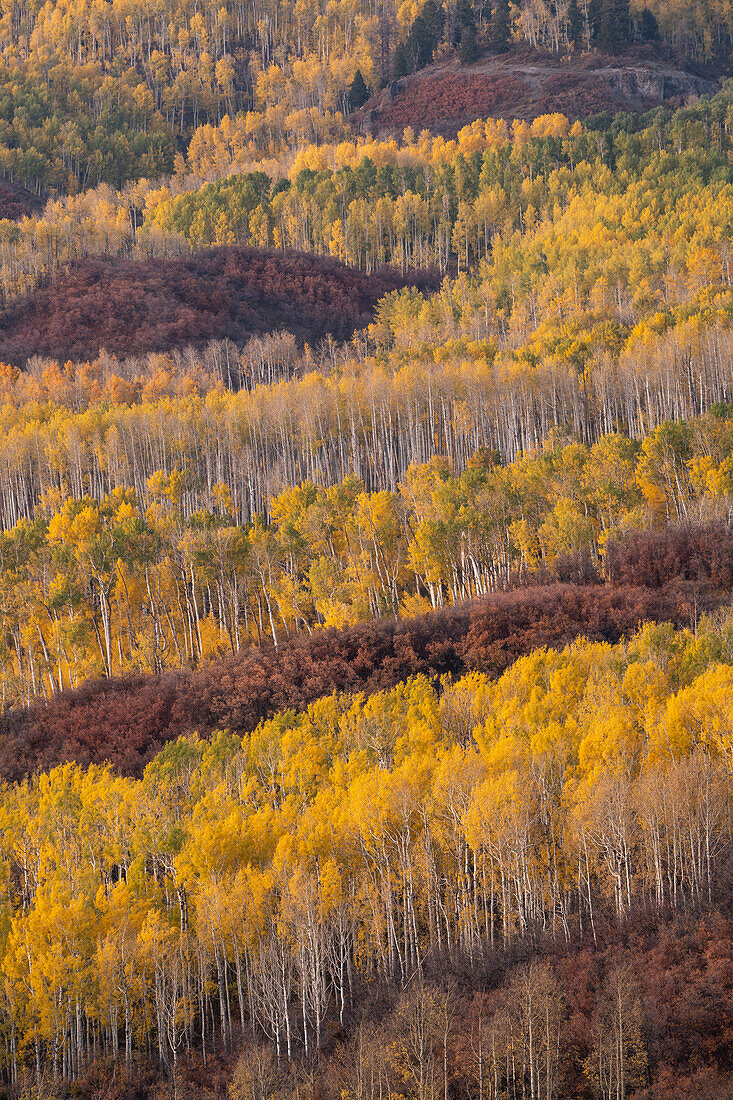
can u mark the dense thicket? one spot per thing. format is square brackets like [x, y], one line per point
[131, 308]
[696, 554]
[445, 102]
[270, 886]
[16, 202]
[126, 721]
[109, 426]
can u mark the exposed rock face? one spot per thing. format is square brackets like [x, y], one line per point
[648, 86]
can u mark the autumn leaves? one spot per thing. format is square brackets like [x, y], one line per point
[259, 882]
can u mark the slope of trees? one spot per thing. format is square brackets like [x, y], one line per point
[131, 308]
[484, 1027]
[280, 888]
[95, 428]
[496, 182]
[126, 721]
[496, 188]
[450, 204]
[123, 583]
[364, 710]
[110, 97]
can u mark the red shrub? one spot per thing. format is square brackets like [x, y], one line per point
[701, 555]
[130, 307]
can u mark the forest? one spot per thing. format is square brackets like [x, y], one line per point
[96, 93]
[126, 720]
[539, 848]
[122, 585]
[492, 201]
[366, 550]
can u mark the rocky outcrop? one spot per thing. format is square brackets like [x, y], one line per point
[448, 95]
[645, 86]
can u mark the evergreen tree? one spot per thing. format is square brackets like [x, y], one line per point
[420, 44]
[594, 20]
[434, 15]
[422, 41]
[648, 27]
[463, 17]
[500, 26]
[467, 48]
[401, 61]
[575, 25]
[615, 25]
[358, 92]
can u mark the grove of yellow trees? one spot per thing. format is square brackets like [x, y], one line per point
[253, 885]
[171, 576]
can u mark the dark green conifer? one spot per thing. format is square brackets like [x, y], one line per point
[467, 48]
[575, 25]
[358, 92]
[614, 31]
[500, 26]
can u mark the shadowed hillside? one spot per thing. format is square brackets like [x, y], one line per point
[16, 202]
[130, 308]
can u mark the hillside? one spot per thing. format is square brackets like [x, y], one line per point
[127, 721]
[672, 576]
[424, 202]
[129, 308]
[478, 885]
[524, 85]
[16, 202]
[366, 550]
